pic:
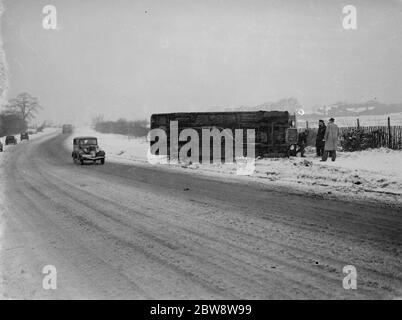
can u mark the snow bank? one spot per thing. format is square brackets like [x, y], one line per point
[31, 137]
[371, 175]
[118, 148]
[1, 225]
[3, 156]
[375, 174]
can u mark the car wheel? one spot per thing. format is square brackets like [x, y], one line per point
[81, 161]
[102, 161]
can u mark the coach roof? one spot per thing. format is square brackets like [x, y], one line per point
[82, 138]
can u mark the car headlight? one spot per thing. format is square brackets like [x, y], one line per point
[292, 147]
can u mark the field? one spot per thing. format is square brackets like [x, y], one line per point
[371, 120]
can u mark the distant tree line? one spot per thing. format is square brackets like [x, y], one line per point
[17, 112]
[136, 128]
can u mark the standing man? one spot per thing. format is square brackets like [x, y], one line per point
[319, 142]
[331, 139]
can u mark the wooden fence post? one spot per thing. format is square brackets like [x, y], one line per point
[358, 123]
[389, 133]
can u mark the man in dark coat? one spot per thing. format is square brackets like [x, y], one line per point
[331, 140]
[319, 142]
[302, 142]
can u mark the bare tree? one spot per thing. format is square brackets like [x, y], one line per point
[98, 118]
[25, 105]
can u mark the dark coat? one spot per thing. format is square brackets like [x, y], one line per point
[302, 139]
[331, 137]
[320, 136]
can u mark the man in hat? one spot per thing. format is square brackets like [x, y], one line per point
[331, 140]
[319, 142]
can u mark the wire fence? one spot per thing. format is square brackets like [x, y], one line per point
[364, 137]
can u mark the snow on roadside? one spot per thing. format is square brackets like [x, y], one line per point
[31, 136]
[3, 156]
[1, 221]
[118, 148]
[371, 174]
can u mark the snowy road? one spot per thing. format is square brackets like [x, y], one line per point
[120, 231]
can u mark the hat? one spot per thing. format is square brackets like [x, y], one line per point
[332, 119]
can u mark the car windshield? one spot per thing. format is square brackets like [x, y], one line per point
[88, 142]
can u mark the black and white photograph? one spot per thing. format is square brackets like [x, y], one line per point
[227, 151]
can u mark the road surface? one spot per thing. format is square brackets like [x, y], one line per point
[142, 232]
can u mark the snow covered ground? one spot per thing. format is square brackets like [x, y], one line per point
[372, 175]
[371, 120]
[3, 155]
[351, 121]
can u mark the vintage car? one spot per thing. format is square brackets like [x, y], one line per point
[11, 140]
[24, 136]
[87, 149]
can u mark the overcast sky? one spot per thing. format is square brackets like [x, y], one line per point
[133, 58]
